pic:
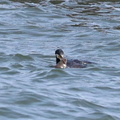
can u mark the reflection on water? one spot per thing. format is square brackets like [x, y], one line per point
[31, 31]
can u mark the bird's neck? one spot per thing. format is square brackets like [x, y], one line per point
[61, 64]
[57, 60]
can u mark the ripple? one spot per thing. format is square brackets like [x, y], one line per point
[27, 98]
[11, 72]
[4, 69]
[20, 57]
[116, 27]
[97, 116]
[16, 65]
[54, 73]
[12, 113]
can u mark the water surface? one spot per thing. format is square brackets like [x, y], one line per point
[30, 32]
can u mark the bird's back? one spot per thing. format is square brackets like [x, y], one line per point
[77, 63]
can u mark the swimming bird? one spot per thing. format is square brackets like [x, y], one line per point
[62, 62]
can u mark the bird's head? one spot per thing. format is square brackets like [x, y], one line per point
[59, 55]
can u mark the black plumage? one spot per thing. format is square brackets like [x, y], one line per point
[62, 62]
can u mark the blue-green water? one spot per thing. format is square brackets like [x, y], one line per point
[30, 32]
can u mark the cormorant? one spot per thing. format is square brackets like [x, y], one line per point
[62, 62]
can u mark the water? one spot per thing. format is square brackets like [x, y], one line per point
[30, 32]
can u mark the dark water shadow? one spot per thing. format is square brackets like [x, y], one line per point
[30, 1]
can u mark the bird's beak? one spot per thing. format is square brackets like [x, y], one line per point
[60, 56]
